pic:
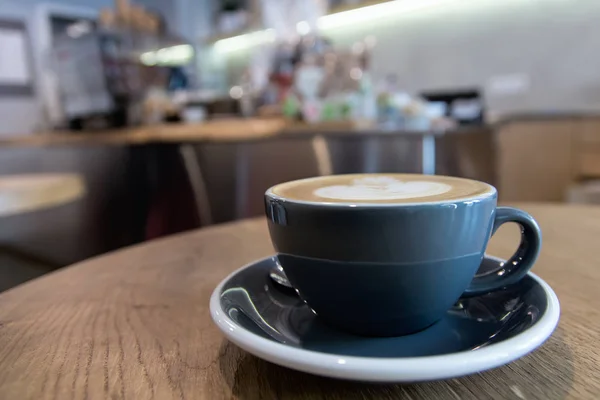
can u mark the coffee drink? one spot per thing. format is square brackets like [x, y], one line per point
[389, 254]
[382, 188]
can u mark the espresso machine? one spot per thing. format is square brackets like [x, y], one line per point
[105, 73]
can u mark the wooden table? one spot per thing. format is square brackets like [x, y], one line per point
[225, 130]
[23, 193]
[31, 192]
[135, 324]
[214, 131]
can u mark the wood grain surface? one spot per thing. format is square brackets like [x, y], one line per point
[135, 325]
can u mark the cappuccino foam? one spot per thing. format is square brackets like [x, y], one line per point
[381, 188]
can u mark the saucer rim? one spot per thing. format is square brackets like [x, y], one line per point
[397, 369]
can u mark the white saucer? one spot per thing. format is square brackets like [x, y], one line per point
[479, 333]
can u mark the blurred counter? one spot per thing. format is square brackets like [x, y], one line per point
[222, 130]
[238, 129]
[211, 131]
[141, 180]
[528, 156]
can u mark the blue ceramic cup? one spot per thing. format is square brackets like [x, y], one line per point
[381, 268]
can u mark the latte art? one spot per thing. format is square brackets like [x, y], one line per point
[382, 188]
[390, 188]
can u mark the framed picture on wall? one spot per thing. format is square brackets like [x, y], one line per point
[16, 70]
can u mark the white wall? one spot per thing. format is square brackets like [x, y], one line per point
[465, 43]
[555, 43]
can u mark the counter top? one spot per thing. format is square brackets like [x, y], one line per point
[226, 130]
[221, 130]
[250, 129]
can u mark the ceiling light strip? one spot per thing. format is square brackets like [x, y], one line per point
[332, 21]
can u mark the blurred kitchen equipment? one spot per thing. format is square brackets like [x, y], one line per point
[465, 106]
[105, 71]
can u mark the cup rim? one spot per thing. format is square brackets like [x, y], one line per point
[493, 192]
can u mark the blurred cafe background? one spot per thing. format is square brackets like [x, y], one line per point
[124, 121]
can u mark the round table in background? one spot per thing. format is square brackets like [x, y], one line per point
[31, 192]
[135, 324]
[24, 193]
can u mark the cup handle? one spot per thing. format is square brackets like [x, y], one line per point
[520, 263]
